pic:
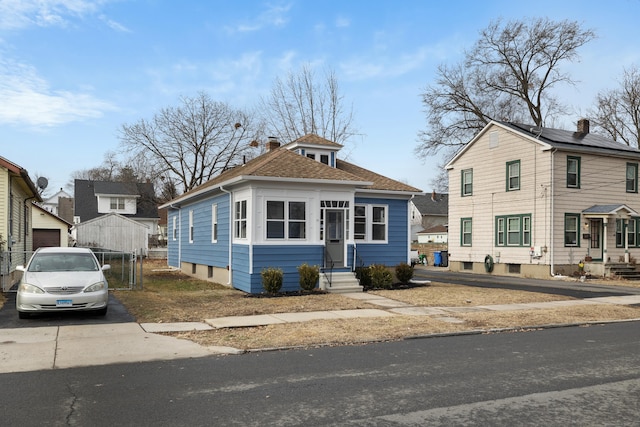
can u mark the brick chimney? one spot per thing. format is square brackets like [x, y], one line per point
[433, 196]
[583, 126]
[272, 143]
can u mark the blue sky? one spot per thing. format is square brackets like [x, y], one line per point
[73, 71]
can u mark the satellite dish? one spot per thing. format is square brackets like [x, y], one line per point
[42, 183]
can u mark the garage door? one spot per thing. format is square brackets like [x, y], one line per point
[45, 238]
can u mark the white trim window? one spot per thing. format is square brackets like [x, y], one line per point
[116, 203]
[191, 230]
[286, 220]
[214, 223]
[371, 223]
[174, 230]
[240, 220]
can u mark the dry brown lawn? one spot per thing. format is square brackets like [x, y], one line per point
[173, 297]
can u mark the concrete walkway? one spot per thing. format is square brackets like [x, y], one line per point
[59, 347]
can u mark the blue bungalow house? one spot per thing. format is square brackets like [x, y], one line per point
[296, 203]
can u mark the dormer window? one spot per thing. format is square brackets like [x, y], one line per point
[311, 156]
[117, 203]
[324, 159]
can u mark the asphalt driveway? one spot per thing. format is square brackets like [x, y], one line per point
[570, 288]
[117, 313]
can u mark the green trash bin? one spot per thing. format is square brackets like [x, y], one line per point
[423, 259]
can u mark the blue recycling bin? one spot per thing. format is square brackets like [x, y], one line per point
[437, 258]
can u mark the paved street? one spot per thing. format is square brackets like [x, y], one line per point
[554, 377]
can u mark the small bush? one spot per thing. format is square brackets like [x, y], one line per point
[380, 276]
[309, 275]
[272, 279]
[364, 277]
[404, 273]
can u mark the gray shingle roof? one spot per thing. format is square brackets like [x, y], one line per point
[86, 203]
[427, 205]
[571, 140]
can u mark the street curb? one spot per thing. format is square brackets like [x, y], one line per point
[443, 335]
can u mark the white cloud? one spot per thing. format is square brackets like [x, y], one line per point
[17, 14]
[274, 16]
[27, 99]
[342, 22]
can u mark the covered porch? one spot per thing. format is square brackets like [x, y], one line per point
[610, 231]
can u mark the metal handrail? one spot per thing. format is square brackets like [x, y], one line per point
[327, 257]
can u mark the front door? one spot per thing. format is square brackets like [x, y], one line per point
[595, 241]
[334, 238]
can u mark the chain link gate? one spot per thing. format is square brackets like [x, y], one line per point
[123, 274]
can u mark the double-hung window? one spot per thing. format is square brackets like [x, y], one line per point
[214, 223]
[191, 227]
[174, 228]
[370, 223]
[465, 231]
[240, 220]
[467, 182]
[513, 230]
[116, 203]
[632, 177]
[513, 175]
[571, 229]
[286, 220]
[573, 172]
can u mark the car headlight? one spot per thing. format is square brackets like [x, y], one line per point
[95, 287]
[29, 289]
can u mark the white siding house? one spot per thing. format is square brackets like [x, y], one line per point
[537, 201]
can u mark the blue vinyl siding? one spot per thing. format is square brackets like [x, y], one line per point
[201, 251]
[395, 251]
[288, 258]
[172, 245]
[241, 279]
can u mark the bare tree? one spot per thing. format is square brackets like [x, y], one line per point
[303, 104]
[509, 75]
[617, 111]
[193, 142]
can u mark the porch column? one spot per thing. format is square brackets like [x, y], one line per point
[625, 225]
[604, 242]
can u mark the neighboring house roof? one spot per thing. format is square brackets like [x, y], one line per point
[433, 204]
[434, 230]
[86, 203]
[559, 139]
[53, 200]
[23, 174]
[283, 164]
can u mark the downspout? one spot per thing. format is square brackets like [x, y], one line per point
[230, 276]
[552, 227]
[408, 229]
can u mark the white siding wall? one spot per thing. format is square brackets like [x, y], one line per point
[491, 199]
[602, 182]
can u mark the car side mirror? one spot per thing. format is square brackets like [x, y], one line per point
[106, 267]
[20, 268]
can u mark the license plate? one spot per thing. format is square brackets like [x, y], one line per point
[64, 303]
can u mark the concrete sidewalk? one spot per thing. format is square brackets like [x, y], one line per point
[59, 347]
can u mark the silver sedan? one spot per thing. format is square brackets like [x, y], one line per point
[62, 279]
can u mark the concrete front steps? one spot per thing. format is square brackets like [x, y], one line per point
[623, 271]
[341, 282]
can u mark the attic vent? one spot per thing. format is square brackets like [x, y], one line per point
[493, 139]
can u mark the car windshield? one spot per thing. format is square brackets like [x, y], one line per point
[63, 262]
